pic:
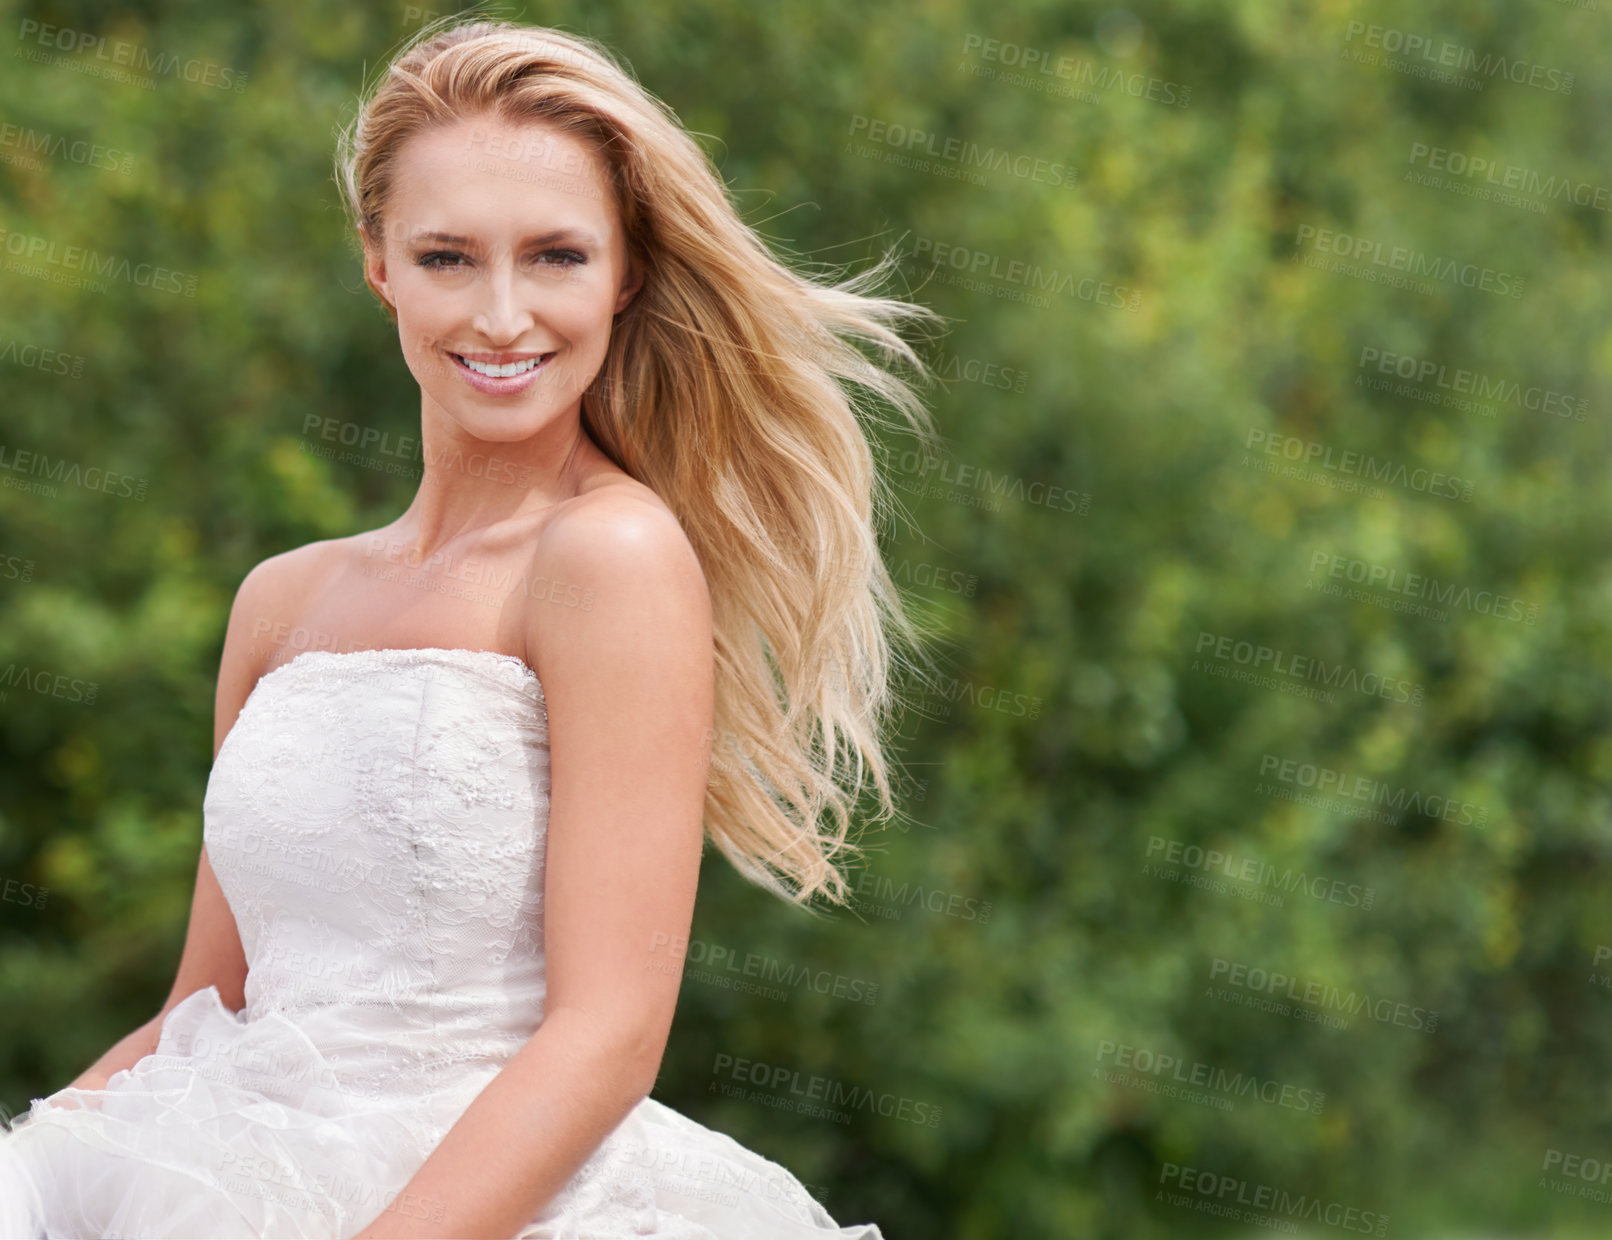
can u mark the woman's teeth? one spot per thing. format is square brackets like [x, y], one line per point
[507, 370]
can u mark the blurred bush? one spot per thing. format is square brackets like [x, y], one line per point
[1267, 557]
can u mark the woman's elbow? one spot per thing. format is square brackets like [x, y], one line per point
[629, 1049]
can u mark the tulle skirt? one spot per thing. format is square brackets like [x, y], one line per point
[237, 1128]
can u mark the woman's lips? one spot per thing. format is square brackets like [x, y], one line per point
[501, 385]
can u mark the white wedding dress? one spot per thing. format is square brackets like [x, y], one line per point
[377, 820]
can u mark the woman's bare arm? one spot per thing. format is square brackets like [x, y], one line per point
[212, 955]
[629, 688]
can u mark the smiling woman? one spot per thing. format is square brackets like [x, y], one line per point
[507, 790]
[574, 275]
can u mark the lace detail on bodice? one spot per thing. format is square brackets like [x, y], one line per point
[377, 820]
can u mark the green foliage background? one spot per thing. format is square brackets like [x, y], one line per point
[1084, 724]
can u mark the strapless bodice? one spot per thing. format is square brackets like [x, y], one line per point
[377, 820]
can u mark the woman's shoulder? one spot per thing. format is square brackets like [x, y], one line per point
[619, 543]
[278, 590]
[298, 569]
[262, 631]
[612, 517]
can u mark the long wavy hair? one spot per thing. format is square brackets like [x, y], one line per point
[742, 392]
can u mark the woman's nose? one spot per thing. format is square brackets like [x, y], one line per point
[501, 315]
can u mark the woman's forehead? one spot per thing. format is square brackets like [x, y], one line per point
[494, 176]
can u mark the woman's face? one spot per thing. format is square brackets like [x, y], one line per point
[505, 261]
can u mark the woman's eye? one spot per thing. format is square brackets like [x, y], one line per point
[446, 260]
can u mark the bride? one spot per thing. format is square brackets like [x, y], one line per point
[424, 991]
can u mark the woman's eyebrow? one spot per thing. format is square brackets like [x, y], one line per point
[574, 235]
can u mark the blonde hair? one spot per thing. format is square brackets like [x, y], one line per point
[735, 388]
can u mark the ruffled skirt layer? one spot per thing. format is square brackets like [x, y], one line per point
[237, 1128]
